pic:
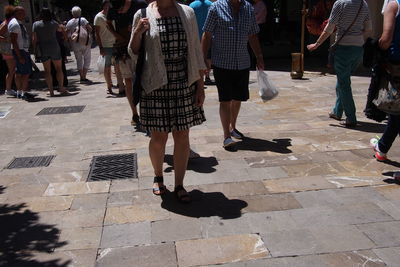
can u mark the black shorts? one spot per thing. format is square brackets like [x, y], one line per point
[232, 84]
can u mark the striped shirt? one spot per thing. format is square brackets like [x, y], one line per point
[230, 34]
[343, 14]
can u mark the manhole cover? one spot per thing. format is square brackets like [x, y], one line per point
[30, 162]
[112, 167]
[61, 110]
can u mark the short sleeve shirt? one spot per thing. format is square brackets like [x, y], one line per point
[73, 23]
[230, 34]
[46, 33]
[106, 37]
[18, 28]
[343, 14]
[200, 8]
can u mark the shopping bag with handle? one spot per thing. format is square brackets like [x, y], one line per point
[267, 90]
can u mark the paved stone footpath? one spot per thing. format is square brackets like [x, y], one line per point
[299, 191]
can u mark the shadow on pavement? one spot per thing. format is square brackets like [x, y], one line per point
[205, 205]
[260, 145]
[362, 126]
[392, 181]
[21, 235]
[201, 165]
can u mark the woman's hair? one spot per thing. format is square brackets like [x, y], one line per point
[9, 11]
[45, 14]
[76, 11]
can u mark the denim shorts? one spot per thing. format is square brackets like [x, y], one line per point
[23, 69]
[108, 54]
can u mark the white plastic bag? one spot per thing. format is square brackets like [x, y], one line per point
[267, 90]
[101, 61]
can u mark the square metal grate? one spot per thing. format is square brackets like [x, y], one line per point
[31, 162]
[113, 167]
[61, 110]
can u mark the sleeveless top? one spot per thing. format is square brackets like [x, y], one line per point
[394, 49]
[5, 47]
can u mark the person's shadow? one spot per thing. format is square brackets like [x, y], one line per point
[259, 145]
[201, 164]
[204, 205]
[21, 235]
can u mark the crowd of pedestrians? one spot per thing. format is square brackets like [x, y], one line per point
[172, 46]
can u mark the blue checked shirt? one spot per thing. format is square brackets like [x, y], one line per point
[230, 34]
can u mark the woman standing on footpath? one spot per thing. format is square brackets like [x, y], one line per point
[44, 39]
[172, 80]
[5, 49]
[353, 24]
[390, 41]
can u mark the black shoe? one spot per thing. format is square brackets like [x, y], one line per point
[207, 81]
[29, 95]
[135, 120]
[86, 81]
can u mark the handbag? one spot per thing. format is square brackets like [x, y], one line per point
[137, 85]
[80, 34]
[388, 98]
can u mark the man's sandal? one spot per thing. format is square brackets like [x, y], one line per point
[160, 190]
[182, 195]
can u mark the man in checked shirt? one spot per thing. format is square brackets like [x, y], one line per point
[231, 24]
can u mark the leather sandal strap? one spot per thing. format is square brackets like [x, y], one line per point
[158, 179]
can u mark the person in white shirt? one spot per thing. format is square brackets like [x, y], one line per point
[105, 39]
[81, 50]
[20, 46]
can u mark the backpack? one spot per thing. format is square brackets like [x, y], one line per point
[80, 34]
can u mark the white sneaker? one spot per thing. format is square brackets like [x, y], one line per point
[193, 155]
[236, 134]
[228, 142]
[11, 93]
[380, 156]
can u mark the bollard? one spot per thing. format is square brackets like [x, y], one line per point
[297, 66]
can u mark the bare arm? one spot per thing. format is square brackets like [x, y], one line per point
[205, 46]
[136, 40]
[98, 39]
[3, 30]
[329, 28]
[255, 46]
[111, 28]
[14, 41]
[388, 25]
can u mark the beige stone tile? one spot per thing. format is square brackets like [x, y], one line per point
[74, 218]
[298, 184]
[365, 258]
[342, 180]
[220, 250]
[311, 169]
[274, 202]
[135, 213]
[40, 204]
[80, 238]
[81, 258]
[60, 189]
[391, 192]
[124, 185]
[233, 189]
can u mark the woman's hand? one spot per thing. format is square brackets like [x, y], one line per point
[200, 95]
[142, 26]
[312, 47]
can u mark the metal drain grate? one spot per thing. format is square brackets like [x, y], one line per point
[61, 110]
[30, 162]
[113, 167]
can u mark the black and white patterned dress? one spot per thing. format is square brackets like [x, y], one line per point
[172, 107]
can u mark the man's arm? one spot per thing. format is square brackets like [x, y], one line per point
[205, 46]
[111, 28]
[255, 46]
[14, 41]
[98, 39]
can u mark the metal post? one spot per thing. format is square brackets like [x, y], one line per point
[298, 58]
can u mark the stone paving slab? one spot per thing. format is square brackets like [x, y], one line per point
[391, 256]
[154, 255]
[83, 257]
[124, 235]
[220, 250]
[60, 189]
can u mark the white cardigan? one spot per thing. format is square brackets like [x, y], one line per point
[154, 74]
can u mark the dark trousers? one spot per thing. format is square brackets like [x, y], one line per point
[391, 131]
[371, 111]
